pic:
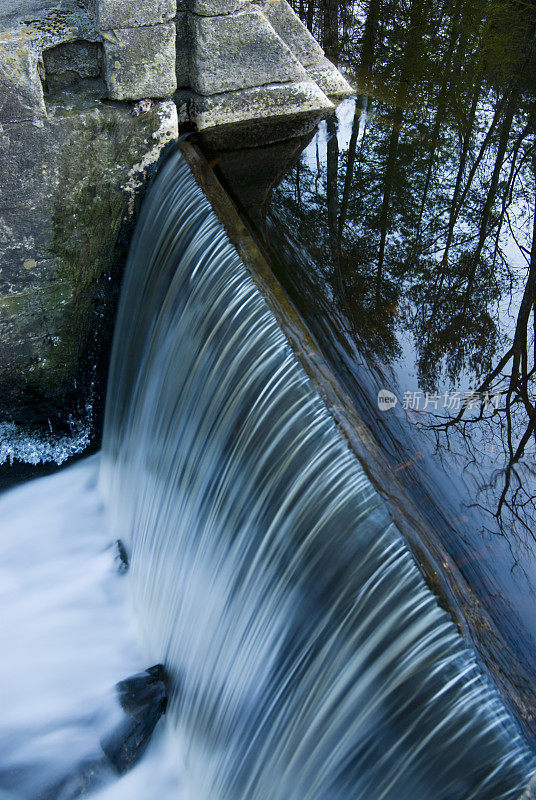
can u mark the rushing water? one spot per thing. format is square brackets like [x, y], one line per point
[307, 658]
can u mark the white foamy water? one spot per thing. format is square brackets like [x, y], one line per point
[67, 638]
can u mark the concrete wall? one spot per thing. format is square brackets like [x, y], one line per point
[70, 166]
[90, 93]
[223, 60]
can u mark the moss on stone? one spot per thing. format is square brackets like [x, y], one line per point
[78, 174]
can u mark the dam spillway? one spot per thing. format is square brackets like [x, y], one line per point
[310, 659]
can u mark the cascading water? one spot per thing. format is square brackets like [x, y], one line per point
[308, 657]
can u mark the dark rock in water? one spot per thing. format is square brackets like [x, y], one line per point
[121, 557]
[143, 692]
[143, 697]
[127, 743]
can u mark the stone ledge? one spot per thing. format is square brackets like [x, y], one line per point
[140, 62]
[244, 111]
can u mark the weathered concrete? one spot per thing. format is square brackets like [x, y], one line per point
[66, 187]
[112, 14]
[140, 62]
[239, 51]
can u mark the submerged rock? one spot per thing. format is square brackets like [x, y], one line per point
[143, 698]
[121, 557]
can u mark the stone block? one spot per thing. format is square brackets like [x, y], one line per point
[239, 51]
[293, 32]
[21, 92]
[212, 8]
[112, 14]
[329, 79]
[234, 118]
[183, 48]
[140, 62]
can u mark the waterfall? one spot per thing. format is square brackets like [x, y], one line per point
[309, 659]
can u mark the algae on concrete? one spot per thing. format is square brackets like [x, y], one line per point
[70, 192]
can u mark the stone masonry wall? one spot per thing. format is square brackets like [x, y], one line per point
[90, 93]
[222, 60]
[230, 60]
[139, 47]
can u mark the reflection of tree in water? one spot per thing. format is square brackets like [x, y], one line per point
[425, 204]
[507, 407]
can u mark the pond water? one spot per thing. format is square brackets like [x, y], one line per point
[404, 235]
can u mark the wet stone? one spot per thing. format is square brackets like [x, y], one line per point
[143, 698]
[121, 557]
